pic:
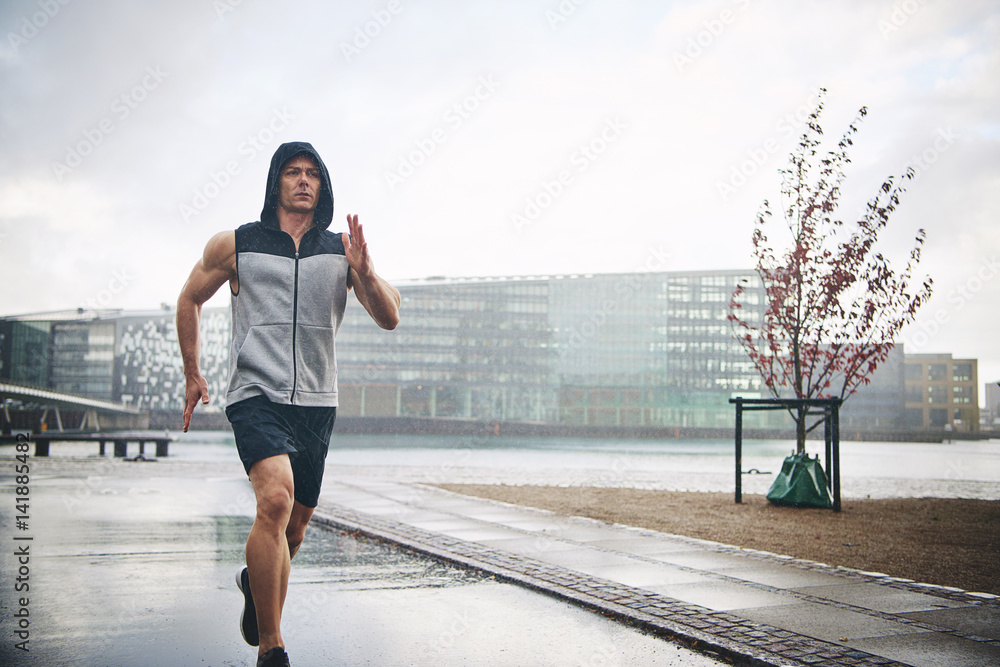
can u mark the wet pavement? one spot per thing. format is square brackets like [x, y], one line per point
[131, 563]
[134, 564]
[749, 606]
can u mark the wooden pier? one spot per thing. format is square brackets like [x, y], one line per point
[118, 439]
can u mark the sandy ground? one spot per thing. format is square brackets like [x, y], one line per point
[949, 542]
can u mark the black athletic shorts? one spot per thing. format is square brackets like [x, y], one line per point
[264, 429]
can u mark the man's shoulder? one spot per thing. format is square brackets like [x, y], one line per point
[249, 226]
[220, 250]
[258, 237]
[329, 242]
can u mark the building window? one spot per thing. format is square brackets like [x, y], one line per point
[937, 372]
[939, 417]
[937, 394]
[962, 372]
[913, 418]
[961, 395]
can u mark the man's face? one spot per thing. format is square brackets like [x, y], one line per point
[299, 185]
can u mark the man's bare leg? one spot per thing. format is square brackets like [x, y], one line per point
[268, 550]
[294, 535]
[296, 531]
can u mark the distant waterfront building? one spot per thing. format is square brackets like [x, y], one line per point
[149, 372]
[24, 351]
[127, 357]
[991, 391]
[637, 349]
[941, 392]
[880, 404]
[651, 349]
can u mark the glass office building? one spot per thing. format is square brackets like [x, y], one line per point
[475, 349]
[149, 372]
[636, 349]
[24, 351]
[647, 349]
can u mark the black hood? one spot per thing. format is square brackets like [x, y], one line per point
[285, 152]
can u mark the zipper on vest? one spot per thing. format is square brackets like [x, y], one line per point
[295, 317]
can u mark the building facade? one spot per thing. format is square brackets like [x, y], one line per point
[941, 392]
[650, 349]
[637, 349]
[991, 417]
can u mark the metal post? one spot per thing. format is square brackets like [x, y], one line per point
[739, 450]
[835, 428]
[6, 420]
[828, 437]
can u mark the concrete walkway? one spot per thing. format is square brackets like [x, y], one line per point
[133, 564]
[748, 606]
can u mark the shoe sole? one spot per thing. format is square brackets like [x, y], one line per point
[250, 634]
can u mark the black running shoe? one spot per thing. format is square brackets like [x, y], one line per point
[248, 619]
[276, 657]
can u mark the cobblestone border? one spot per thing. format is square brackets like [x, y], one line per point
[739, 640]
[946, 592]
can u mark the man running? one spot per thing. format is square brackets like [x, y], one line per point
[288, 278]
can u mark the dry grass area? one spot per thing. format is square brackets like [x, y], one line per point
[950, 542]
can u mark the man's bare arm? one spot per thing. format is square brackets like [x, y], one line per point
[216, 266]
[378, 297]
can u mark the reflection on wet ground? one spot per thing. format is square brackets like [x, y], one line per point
[139, 570]
[353, 563]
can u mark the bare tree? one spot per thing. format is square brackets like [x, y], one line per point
[834, 305]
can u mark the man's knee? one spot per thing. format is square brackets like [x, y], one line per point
[297, 525]
[274, 503]
[274, 488]
[295, 538]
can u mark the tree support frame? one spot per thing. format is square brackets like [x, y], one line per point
[828, 408]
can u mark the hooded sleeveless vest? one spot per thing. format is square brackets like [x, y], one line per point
[289, 305]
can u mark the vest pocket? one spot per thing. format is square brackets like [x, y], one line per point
[265, 358]
[317, 360]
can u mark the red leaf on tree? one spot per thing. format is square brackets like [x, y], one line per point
[833, 302]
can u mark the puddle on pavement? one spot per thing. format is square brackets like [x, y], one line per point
[349, 562]
[140, 571]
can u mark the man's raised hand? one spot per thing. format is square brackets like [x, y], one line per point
[356, 249]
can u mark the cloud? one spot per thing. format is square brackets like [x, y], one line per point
[730, 113]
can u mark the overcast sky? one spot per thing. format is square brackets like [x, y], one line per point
[491, 138]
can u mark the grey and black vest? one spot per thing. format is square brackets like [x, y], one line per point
[286, 315]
